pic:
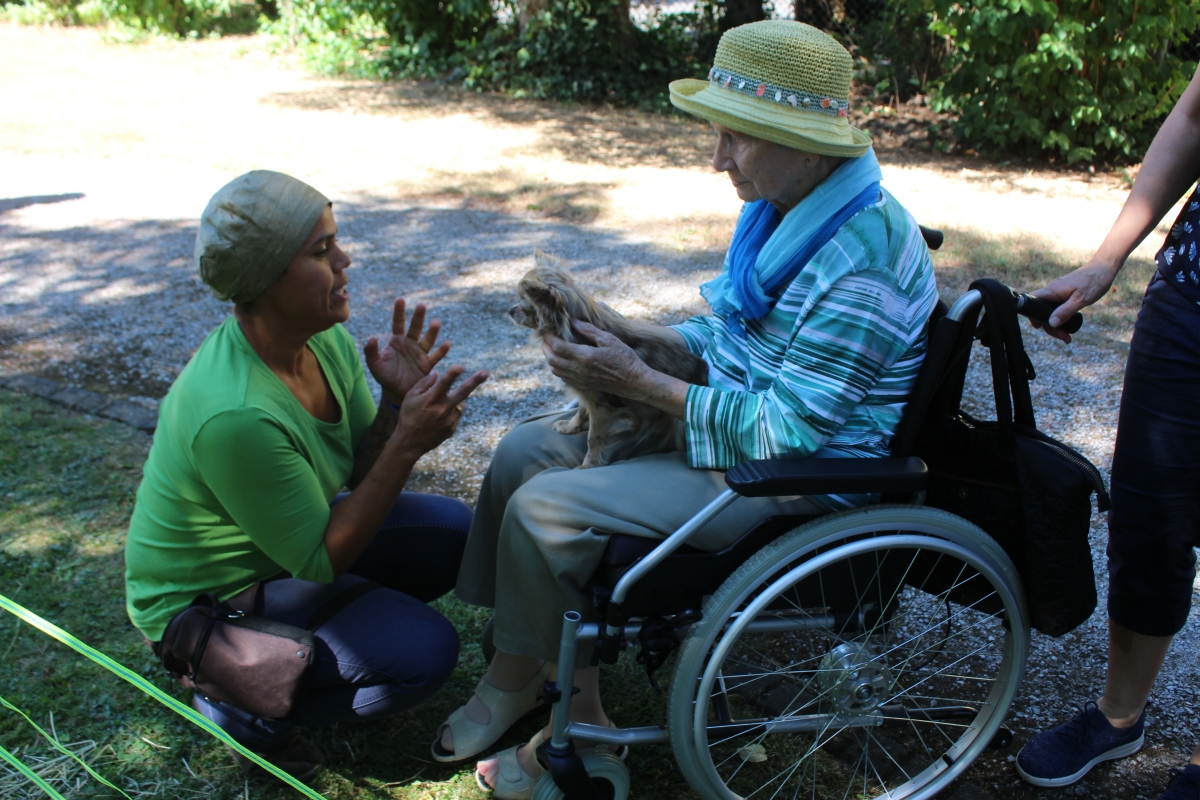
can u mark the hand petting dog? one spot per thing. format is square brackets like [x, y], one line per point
[610, 365]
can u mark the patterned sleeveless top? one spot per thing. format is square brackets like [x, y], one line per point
[1178, 260]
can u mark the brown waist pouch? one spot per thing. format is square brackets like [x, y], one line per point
[256, 664]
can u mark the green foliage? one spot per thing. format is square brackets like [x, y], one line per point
[899, 55]
[169, 17]
[1080, 78]
[382, 38]
[586, 51]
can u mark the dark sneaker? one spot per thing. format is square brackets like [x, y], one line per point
[299, 758]
[1063, 755]
[1185, 784]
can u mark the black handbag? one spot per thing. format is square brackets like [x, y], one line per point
[255, 664]
[1031, 493]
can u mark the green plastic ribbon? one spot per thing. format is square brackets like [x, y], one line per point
[33, 776]
[55, 632]
[59, 747]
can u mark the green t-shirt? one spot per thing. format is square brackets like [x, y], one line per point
[238, 483]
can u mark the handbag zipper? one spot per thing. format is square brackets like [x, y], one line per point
[1102, 500]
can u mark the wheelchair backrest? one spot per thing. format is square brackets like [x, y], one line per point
[939, 385]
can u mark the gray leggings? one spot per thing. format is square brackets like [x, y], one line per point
[541, 526]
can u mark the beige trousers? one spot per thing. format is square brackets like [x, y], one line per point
[541, 526]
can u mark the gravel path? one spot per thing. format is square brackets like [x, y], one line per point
[110, 152]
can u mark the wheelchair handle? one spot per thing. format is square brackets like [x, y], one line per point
[1039, 309]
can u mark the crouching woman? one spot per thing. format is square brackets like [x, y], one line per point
[269, 421]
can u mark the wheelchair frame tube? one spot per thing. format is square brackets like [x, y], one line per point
[670, 545]
[568, 648]
[964, 305]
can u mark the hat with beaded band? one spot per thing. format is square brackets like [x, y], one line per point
[782, 81]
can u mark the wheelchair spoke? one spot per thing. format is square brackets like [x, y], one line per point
[837, 685]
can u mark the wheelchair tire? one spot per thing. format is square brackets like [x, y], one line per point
[854, 657]
[608, 773]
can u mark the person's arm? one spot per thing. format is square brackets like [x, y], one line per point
[270, 491]
[698, 332]
[428, 416]
[837, 354]
[854, 333]
[1172, 165]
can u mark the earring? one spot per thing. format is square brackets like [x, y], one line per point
[808, 162]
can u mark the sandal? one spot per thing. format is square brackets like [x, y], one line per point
[507, 708]
[513, 782]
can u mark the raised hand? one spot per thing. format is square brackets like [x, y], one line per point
[432, 408]
[407, 356]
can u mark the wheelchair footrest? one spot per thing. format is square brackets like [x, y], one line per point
[778, 477]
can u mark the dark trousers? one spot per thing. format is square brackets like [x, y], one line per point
[1155, 520]
[387, 650]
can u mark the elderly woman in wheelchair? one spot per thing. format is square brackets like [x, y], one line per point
[831, 661]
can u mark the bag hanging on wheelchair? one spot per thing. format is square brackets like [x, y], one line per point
[1031, 493]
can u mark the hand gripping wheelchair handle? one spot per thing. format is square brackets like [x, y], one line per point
[778, 477]
[1039, 309]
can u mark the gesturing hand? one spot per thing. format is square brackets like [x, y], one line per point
[406, 357]
[431, 410]
[1074, 291]
[609, 366]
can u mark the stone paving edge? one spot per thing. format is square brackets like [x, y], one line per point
[83, 401]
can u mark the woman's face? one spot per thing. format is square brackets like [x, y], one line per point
[762, 170]
[311, 293]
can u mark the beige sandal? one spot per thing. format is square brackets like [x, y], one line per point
[513, 782]
[507, 708]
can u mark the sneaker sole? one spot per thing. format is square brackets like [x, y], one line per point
[1111, 755]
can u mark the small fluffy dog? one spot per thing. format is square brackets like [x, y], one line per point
[617, 428]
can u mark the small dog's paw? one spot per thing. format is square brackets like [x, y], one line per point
[569, 426]
[592, 459]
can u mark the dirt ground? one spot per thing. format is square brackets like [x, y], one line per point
[109, 152]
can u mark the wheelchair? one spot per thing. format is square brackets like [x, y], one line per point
[865, 653]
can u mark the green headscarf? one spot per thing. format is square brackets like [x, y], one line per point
[251, 230]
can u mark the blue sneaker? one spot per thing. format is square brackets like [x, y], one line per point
[1063, 755]
[1185, 784]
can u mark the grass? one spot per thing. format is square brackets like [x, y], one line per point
[67, 484]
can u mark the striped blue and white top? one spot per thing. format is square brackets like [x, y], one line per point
[827, 371]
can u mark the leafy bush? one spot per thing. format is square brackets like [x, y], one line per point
[1080, 78]
[899, 55]
[170, 17]
[382, 38]
[586, 50]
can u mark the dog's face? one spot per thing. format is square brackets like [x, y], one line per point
[547, 299]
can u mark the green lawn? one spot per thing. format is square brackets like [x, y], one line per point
[67, 484]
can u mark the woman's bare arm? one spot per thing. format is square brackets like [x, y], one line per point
[1172, 165]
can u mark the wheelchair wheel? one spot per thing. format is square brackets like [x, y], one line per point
[609, 775]
[869, 653]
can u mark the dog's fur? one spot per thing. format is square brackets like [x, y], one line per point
[617, 428]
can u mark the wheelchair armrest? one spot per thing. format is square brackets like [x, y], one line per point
[781, 477]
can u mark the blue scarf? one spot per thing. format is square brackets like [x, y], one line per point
[767, 252]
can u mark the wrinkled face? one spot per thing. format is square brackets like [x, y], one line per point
[762, 170]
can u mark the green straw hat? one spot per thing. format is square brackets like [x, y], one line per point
[782, 81]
